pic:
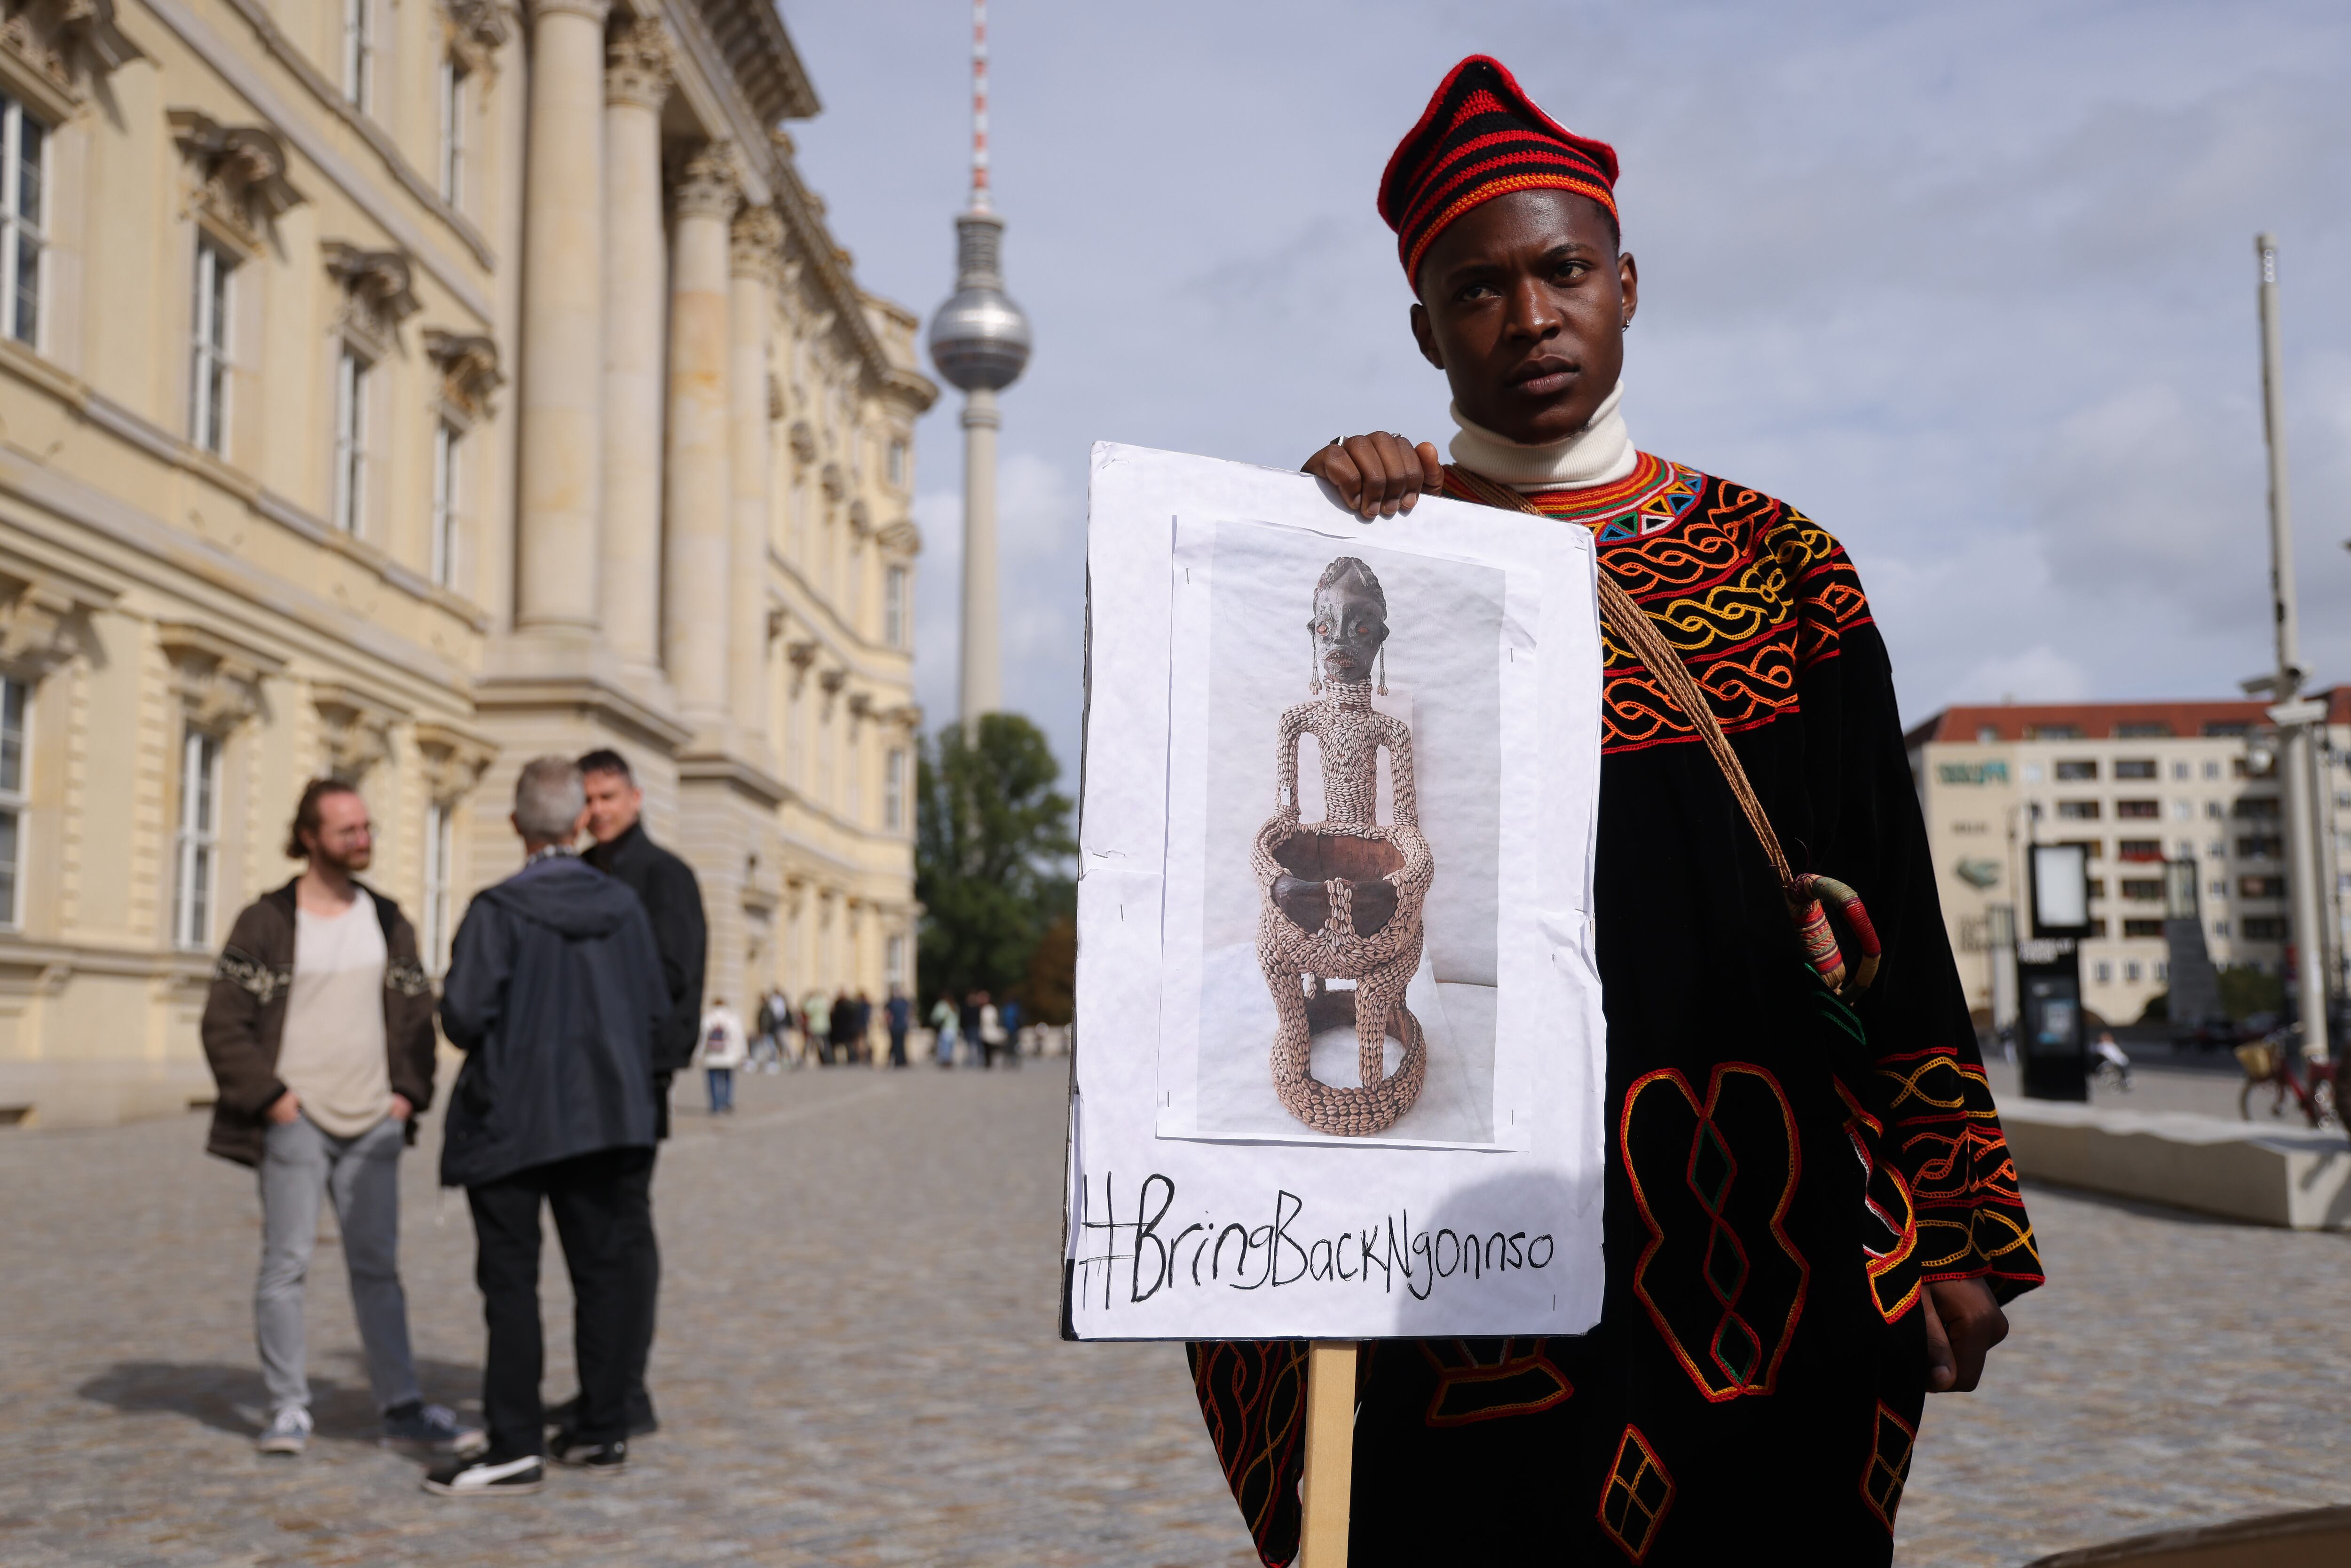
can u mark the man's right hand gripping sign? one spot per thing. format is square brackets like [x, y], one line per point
[1812, 1217]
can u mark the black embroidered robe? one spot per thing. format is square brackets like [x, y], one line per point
[1785, 1170]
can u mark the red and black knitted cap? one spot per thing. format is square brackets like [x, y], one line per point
[1480, 138]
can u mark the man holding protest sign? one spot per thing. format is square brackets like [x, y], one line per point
[1812, 1219]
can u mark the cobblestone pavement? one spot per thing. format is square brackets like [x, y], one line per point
[858, 1365]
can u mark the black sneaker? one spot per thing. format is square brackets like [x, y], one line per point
[488, 1477]
[563, 1417]
[596, 1458]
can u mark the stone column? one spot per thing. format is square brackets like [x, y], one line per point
[562, 303]
[636, 81]
[699, 498]
[982, 674]
[757, 253]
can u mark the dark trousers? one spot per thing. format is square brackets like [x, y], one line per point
[897, 1048]
[600, 1203]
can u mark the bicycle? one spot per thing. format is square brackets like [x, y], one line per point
[2269, 1063]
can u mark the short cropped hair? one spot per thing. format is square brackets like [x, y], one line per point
[605, 759]
[549, 799]
[306, 814]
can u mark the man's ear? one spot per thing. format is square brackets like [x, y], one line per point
[1422, 334]
[516, 824]
[1628, 279]
[578, 824]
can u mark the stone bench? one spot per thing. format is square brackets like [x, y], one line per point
[2266, 1173]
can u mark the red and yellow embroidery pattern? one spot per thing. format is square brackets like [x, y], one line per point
[1889, 1230]
[1750, 591]
[1722, 1279]
[1891, 1442]
[1947, 1137]
[1253, 1395]
[1636, 1495]
[1487, 1379]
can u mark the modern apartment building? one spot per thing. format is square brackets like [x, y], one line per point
[399, 389]
[2144, 786]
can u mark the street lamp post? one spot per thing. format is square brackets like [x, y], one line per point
[2294, 715]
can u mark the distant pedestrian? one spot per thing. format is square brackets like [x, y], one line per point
[816, 1025]
[557, 995]
[723, 1050]
[944, 1019]
[769, 1042]
[864, 1027]
[319, 1030]
[844, 1027]
[672, 900]
[900, 1014]
[974, 1049]
[992, 1037]
[1007, 1017]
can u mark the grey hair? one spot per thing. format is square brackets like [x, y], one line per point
[549, 795]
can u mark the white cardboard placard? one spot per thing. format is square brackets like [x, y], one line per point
[1196, 1208]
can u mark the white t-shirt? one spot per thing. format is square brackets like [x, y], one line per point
[332, 1053]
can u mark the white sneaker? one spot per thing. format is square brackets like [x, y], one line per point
[288, 1431]
[487, 1477]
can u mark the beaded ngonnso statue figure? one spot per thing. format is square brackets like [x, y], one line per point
[1342, 897]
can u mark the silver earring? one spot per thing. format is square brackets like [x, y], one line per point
[1313, 665]
[1384, 670]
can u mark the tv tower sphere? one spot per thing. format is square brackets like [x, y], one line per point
[979, 339]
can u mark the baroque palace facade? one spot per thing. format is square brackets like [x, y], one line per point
[400, 389]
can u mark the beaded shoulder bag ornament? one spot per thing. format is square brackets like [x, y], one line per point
[1805, 892]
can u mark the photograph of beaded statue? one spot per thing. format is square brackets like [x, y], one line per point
[1350, 901]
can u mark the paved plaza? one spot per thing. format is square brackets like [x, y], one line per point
[859, 1364]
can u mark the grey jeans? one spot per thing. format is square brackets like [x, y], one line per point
[363, 1175]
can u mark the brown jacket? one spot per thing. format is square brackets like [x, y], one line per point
[244, 1015]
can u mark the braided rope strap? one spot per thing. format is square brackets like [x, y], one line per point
[1805, 893]
[1342, 899]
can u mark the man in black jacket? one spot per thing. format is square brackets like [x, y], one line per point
[554, 993]
[673, 901]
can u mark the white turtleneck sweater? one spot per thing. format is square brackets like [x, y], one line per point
[1599, 453]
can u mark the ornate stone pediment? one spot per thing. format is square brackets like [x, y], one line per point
[375, 284]
[861, 520]
[216, 678]
[355, 730]
[57, 46]
[902, 538]
[455, 760]
[44, 615]
[831, 682]
[240, 172]
[476, 31]
[469, 369]
[803, 439]
[907, 717]
[835, 482]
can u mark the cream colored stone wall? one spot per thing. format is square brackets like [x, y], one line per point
[152, 589]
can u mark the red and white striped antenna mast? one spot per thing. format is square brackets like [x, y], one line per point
[980, 105]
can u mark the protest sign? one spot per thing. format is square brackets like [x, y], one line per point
[1340, 1067]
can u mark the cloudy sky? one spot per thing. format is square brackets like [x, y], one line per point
[1971, 284]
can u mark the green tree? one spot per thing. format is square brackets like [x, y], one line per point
[992, 845]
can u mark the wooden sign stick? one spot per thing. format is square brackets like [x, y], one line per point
[1329, 1453]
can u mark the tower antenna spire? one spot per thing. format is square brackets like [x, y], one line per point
[980, 105]
[979, 340]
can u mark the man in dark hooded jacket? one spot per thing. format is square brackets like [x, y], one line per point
[555, 992]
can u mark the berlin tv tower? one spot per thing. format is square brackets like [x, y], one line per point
[979, 340]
